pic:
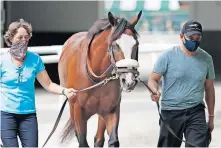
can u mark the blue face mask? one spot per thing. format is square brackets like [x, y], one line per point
[191, 45]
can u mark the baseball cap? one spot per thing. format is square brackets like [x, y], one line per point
[192, 27]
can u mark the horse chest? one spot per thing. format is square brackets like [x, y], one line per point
[99, 101]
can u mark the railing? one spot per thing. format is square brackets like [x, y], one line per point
[53, 52]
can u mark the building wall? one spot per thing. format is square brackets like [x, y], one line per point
[54, 16]
[208, 12]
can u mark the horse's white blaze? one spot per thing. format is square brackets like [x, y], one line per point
[126, 43]
[129, 78]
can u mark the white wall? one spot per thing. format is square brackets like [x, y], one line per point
[56, 16]
[208, 13]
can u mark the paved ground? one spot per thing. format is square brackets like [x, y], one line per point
[138, 123]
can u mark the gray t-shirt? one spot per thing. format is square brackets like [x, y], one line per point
[183, 77]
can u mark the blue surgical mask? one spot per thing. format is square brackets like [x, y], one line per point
[191, 45]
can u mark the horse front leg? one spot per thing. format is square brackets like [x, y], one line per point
[112, 121]
[80, 120]
[99, 138]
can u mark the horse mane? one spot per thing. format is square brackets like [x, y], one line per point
[104, 24]
[99, 26]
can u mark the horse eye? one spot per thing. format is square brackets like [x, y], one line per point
[116, 47]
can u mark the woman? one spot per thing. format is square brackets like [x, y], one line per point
[18, 70]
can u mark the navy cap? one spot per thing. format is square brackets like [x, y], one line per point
[192, 27]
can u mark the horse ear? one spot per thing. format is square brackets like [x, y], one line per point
[136, 19]
[112, 19]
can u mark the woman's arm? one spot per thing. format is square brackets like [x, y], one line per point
[47, 84]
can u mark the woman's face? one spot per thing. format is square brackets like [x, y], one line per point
[20, 36]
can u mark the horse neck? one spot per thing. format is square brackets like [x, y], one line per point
[98, 53]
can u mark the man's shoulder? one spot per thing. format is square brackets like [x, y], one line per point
[204, 54]
[170, 50]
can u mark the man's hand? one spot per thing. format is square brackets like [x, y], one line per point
[153, 84]
[156, 97]
[211, 123]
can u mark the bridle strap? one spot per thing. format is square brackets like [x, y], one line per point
[126, 70]
[111, 54]
[92, 76]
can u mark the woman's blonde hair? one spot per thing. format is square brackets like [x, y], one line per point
[12, 30]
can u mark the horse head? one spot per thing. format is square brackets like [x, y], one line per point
[123, 48]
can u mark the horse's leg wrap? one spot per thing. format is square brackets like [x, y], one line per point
[98, 143]
[112, 121]
[113, 140]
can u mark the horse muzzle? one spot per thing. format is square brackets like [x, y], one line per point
[127, 71]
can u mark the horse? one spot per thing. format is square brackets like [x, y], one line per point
[109, 48]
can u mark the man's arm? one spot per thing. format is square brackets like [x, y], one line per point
[153, 84]
[159, 69]
[210, 101]
[210, 96]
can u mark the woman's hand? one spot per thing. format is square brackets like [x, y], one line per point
[70, 93]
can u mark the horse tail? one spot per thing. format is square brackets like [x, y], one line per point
[69, 131]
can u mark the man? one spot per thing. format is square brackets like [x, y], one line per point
[187, 71]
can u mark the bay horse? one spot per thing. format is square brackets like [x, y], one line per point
[110, 47]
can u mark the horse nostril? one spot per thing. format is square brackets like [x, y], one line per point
[123, 80]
